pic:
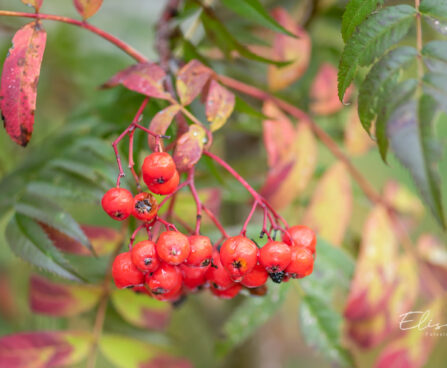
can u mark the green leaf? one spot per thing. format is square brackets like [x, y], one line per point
[333, 270]
[435, 85]
[321, 329]
[43, 210]
[225, 40]
[374, 85]
[355, 13]
[378, 33]
[434, 8]
[251, 315]
[410, 131]
[244, 107]
[255, 12]
[435, 56]
[28, 241]
[398, 94]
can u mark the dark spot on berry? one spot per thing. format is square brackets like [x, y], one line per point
[160, 180]
[118, 214]
[236, 264]
[147, 261]
[215, 286]
[174, 252]
[205, 263]
[277, 276]
[159, 291]
[129, 287]
[143, 206]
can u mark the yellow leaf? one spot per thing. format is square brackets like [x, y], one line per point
[357, 141]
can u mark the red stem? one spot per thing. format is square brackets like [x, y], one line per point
[215, 220]
[250, 215]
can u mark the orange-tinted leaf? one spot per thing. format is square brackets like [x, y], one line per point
[20, 76]
[36, 4]
[144, 78]
[357, 141]
[433, 252]
[62, 300]
[402, 199]
[324, 92]
[190, 81]
[290, 177]
[141, 310]
[189, 147]
[161, 121]
[279, 133]
[87, 8]
[219, 105]
[8, 299]
[286, 48]
[375, 274]
[103, 239]
[44, 349]
[167, 361]
[331, 200]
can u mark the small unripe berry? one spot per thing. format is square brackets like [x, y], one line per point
[193, 277]
[217, 276]
[124, 272]
[238, 255]
[275, 256]
[145, 207]
[158, 168]
[144, 256]
[165, 279]
[302, 263]
[229, 293]
[173, 247]
[302, 236]
[201, 251]
[118, 203]
[256, 277]
[167, 187]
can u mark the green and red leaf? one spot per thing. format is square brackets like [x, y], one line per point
[36, 4]
[189, 147]
[219, 105]
[191, 79]
[20, 76]
[87, 8]
[62, 300]
[160, 123]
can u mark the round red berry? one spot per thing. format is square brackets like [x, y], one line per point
[256, 277]
[302, 236]
[201, 251]
[144, 207]
[302, 263]
[275, 256]
[124, 272]
[144, 256]
[165, 279]
[166, 188]
[170, 296]
[158, 168]
[238, 255]
[229, 293]
[173, 247]
[193, 277]
[118, 203]
[217, 276]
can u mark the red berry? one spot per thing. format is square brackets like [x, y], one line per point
[165, 188]
[170, 296]
[302, 236]
[229, 293]
[238, 255]
[141, 290]
[165, 279]
[256, 277]
[275, 256]
[118, 203]
[173, 247]
[124, 272]
[158, 168]
[217, 275]
[302, 263]
[201, 251]
[193, 277]
[144, 256]
[144, 207]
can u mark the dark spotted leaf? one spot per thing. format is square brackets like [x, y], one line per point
[20, 76]
[87, 8]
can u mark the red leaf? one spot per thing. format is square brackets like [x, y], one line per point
[166, 361]
[62, 300]
[219, 105]
[43, 349]
[20, 75]
[189, 148]
[36, 4]
[190, 81]
[144, 78]
[160, 123]
[87, 8]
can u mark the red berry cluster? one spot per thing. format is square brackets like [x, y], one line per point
[177, 265]
[161, 177]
